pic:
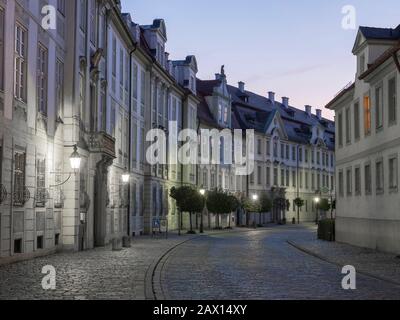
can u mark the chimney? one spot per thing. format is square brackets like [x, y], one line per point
[271, 96]
[319, 114]
[285, 102]
[308, 110]
[241, 86]
[166, 55]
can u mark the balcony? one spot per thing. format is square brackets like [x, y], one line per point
[101, 142]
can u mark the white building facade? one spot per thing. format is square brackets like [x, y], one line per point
[367, 144]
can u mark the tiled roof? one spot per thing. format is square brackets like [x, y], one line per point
[381, 33]
[341, 94]
[256, 112]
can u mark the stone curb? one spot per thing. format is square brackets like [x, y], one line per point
[320, 257]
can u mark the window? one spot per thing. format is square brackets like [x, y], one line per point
[19, 178]
[318, 157]
[306, 178]
[226, 113]
[268, 148]
[93, 26]
[287, 178]
[348, 182]
[40, 183]
[392, 105]
[379, 107]
[134, 142]
[300, 154]
[306, 155]
[341, 190]
[220, 114]
[379, 177]
[393, 174]
[1, 49]
[259, 175]
[60, 87]
[367, 115]
[82, 21]
[134, 86]
[282, 177]
[357, 181]
[368, 180]
[294, 179]
[20, 63]
[268, 176]
[41, 83]
[318, 181]
[294, 153]
[312, 181]
[259, 151]
[340, 129]
[275, 176]
[61, 6]
[114, 57]
[82, 96]
[252, 178]
[142, 91]
[287, 152]
[356, 121]
[282, 151]
[275, 150]
[348, 126]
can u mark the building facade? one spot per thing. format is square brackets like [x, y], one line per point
[96, 84]
[367, 145]
[294, 149]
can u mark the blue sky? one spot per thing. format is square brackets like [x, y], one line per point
[294, 48]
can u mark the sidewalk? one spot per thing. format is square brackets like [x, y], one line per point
[379, 265]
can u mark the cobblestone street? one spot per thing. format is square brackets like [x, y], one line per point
[260, 265]
[242, 264]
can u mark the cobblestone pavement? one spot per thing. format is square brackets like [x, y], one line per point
[259, 265]
[94, 274]
[378, 264]
[243, 264]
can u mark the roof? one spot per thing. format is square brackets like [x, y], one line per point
[340, 95]
[257, 112]
[381, 33]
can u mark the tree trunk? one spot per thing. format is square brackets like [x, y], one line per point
[191, 221]
[229, 223]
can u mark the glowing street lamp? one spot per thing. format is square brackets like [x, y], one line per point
[75, 159]
[316, 200]
[255, 197]
[126, 177]
[202, 191]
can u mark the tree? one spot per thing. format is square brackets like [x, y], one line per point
[219, 202]
[234, 205]
[265, 204]
[299, 203]
[324, 205]
[187, 200]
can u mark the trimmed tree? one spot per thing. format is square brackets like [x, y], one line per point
[299, 203]
[265, 204]
[234, 205]
[187, 200]
[219, 202]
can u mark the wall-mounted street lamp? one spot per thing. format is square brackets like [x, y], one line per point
[126, 177]
[75, 161]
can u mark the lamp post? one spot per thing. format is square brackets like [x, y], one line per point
[203, 193]
[316, 200]
[255, 199]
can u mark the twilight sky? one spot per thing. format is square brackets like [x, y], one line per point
[294, 48]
